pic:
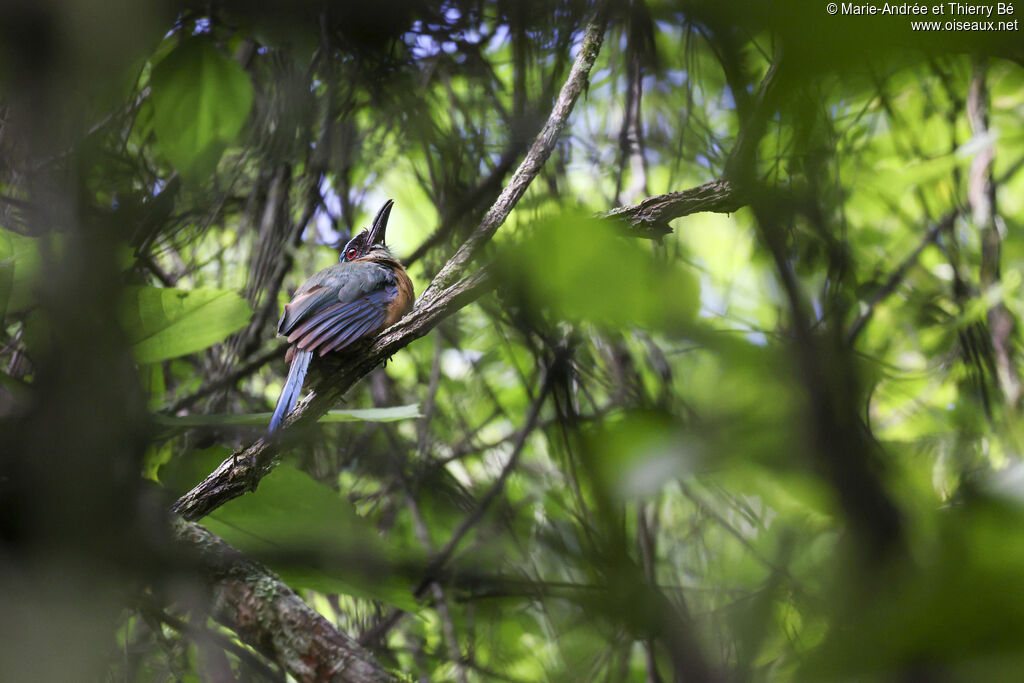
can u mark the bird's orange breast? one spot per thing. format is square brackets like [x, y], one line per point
[402, 303]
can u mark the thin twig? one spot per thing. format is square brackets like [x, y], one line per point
[227, 380]
[197, 634]
[897, 276]
[981, 193]
[441, 558]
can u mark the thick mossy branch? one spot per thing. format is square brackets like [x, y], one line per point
[269, 616]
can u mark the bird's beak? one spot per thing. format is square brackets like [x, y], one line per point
[380, 223]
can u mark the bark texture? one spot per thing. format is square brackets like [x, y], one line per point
[269, 616]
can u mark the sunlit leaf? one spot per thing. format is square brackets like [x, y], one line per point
[19, 265]
[312, 536]
[165, 323]
[579, 269]
[201, 98]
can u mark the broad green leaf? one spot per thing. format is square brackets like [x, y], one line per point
[201, 98]
[308, 533]
[312, 537]
[19, 263]
[165, 323]
[579, 269]
[392, 414]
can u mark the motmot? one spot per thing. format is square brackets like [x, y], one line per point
[365, 292]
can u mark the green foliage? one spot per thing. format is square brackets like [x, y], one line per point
[392, 414]
[302, 529]
[964, 579]
[166, 323]
[579, 270]
[19, 266]
[200, 100]
[729, 410]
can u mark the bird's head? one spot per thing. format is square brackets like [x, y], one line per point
[370, 242]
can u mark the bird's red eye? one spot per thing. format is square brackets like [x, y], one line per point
[351, 253]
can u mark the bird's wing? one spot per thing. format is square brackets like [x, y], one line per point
[338, 306]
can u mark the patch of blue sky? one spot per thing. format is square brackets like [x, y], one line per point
[327, 215]
[727, 101]
[499, 38]
[424, 46]
[677, 77]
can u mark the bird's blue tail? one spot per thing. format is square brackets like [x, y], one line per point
[292, 388]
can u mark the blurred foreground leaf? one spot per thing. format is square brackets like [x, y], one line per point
[303, 530]
[579, 269]
[642, 453]
[970, 576]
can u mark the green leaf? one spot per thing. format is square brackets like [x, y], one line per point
[641, 454]
[312, 537]
[393, 414]
[19, 264]
[165, 323]
[201, 98]
[579, 269]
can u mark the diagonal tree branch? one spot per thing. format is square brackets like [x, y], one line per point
[242, 471]
[451, 289]
[268, 615]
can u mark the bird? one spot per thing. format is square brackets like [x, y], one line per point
[367, 291]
